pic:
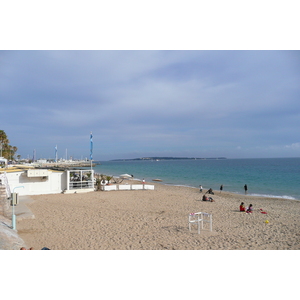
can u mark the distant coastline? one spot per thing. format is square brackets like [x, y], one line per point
[157, 158]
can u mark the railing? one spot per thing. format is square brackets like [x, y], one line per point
[80, 185]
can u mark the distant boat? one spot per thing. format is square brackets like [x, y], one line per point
[156, 180]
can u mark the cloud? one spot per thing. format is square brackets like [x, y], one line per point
[197, 102]
[293, 146]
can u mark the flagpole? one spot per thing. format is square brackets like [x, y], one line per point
[91, 158]
[91, 150]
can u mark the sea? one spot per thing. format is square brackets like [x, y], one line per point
[265, 177]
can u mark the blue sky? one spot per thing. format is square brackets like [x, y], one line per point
[237, 104]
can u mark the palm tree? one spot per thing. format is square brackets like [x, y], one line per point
[7, 150]
[14, 149]
[3, 141]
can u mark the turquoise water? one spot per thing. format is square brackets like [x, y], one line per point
[273, 177]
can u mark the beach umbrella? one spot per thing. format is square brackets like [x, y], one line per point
[126, 176]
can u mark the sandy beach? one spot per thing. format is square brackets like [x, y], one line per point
[157, 220]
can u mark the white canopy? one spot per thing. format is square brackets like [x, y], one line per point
[125, 176]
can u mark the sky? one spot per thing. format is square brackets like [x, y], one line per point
[237, 104]
[234, 104]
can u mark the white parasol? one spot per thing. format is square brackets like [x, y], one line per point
[126, 176]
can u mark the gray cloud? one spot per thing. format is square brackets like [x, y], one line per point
[198, 103]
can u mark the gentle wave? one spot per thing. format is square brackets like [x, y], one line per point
[254, 195]
[273, 196]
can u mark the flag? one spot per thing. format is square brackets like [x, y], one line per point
[56, 153]
[91, 147]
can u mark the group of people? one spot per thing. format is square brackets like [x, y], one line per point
[31, 248]
[221, 188]
[205, 198]
[210, 191]
[248, 209]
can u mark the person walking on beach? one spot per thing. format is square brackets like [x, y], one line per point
[201, 188]
[221, 188]
[245, 188]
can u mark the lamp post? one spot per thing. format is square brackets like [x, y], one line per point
[13, 217]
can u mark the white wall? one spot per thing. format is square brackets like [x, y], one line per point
[127, 187]
[55, 183]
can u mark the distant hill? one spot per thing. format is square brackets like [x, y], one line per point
[167, 158]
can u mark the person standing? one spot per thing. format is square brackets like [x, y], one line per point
[245, 188]
[201, 188]
[221, 188]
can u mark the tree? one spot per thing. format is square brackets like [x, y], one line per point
[7, 151]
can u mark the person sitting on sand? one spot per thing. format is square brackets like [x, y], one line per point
[250, 209]
[242, 207]
[210, 191]
[205, 198]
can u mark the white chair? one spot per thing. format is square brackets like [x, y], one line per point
[199, 218]
[195, 218]
[207, 218]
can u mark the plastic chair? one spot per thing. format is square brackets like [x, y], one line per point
[199, 218]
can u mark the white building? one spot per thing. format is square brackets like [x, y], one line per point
[31, 181]
[3, 161]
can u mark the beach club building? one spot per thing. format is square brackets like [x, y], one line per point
[32, 181]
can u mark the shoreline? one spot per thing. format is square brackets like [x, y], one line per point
[157, 220]
[285, 197]
[264, 177]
